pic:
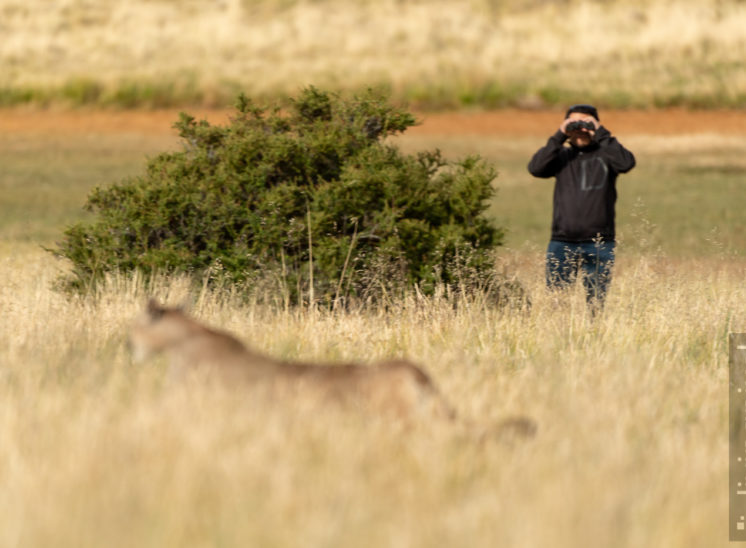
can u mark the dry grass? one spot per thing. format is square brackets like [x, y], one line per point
[443, 52]
[632, 412]
[632, 409]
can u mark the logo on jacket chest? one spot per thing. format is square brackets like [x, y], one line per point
[593, 174]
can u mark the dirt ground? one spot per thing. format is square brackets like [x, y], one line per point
[500, 122]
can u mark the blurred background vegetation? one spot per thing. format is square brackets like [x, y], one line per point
[430, 54]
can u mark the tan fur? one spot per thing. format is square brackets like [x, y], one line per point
[394, 386]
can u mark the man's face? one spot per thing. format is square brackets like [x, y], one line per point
[581, 137]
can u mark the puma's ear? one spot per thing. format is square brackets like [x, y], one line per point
[154, 309]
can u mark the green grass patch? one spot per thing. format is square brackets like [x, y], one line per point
[44, 182]
[447, 94]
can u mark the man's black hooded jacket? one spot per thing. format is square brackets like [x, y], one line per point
[585, 188]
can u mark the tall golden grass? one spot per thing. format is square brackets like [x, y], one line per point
[632, 413]
[439, 52]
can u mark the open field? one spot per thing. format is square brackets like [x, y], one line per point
[441, 53]
[632, 408]
[684, 158]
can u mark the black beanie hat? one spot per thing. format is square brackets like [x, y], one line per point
[585, 109]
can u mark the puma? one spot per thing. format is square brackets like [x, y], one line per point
[392, 386]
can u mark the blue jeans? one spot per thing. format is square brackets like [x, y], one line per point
[593, 259]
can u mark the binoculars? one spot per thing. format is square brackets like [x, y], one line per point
[580, 124]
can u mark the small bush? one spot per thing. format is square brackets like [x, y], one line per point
[310, 195]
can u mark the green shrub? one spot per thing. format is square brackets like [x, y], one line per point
[310, 196]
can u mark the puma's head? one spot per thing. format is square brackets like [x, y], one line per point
[157, 329]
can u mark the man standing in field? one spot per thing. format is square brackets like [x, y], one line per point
[585, 160]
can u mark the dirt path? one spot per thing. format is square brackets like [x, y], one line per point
[502, 122]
